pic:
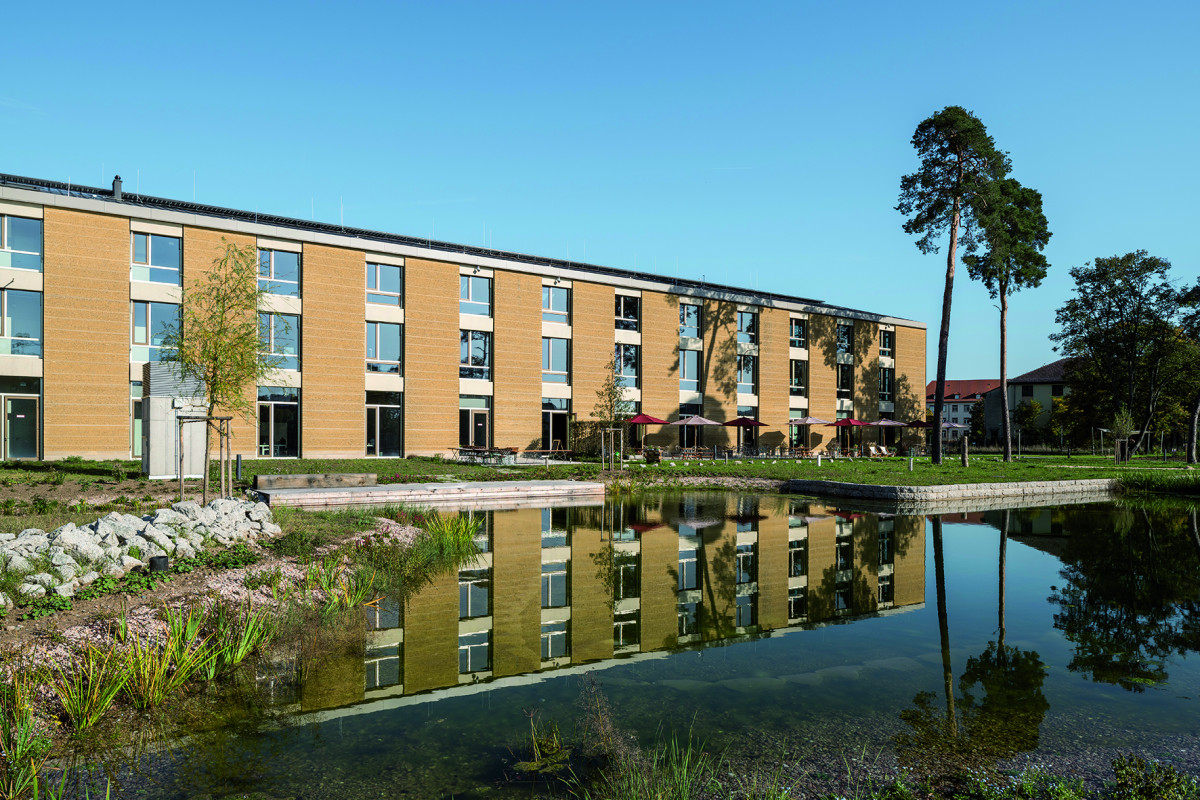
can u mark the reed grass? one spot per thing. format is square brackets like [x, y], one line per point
[236, 634]
[88, 688]
[673, 771]
[24, 749]
[158, 672]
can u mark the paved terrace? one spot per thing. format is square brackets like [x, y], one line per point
[475, 494]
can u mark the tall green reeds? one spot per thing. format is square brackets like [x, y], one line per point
[157, 672]
[236, 633]
[88, 688]
[24, 748]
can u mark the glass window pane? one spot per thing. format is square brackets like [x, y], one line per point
[287, 266]
[464, 287]
[371, 270]
[264, 263]
[139, 323]
[24, 234]
[287, 334]
[389, 342]
[481, 290]
[139, 248]
[389, 278]
[24, 316]
[163, 317]
[165, 251]
[372, 338]
[389, 432]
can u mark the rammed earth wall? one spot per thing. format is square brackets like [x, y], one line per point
[71, 557]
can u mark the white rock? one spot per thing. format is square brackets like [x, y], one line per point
[31, 590]
[41, 579]
[65, 590]
[88, 578]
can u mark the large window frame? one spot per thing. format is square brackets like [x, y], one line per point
[279, 272]
[798, 378]
[798, 335]
[475, 295]
[474, 593]
[845, 381]
[155, 259]
[475, 355]
[689, 370]
[556, 304]
[887, 343]
[887, 384]
[747, 374]
[556, 584]
[747, 327]
[385, 284]
[16, 254]
[627, 315]
[147, 329]
[23, 336]
[555, 641]
[278, 422]
[474, 652]
[385, 424]
[385, 348]
[556, 360]
[690, 320]
[628, 361]
[844, 333]
[280, 337]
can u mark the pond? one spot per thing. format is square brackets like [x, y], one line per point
[773, 628]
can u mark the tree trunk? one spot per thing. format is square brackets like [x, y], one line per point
[1003, 565]
[1004, 410]
[1193, 425]
[207, 461]
[939, 398]
[939, 562]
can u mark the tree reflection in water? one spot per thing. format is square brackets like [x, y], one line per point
[1131, 598]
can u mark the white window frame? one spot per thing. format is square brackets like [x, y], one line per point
[468, 365]
[269, 343]
[699, 320]
[5, 246]
[621, 319]
[549, 312]
[747, 327]
[149, 264]
[471, 645]
[750, 387]
[626, 376]
[688, 382]
[553, 574]
[800, 341]
[380, 296]
[466, 294]
[151, 349]
[270, 280]
[798, 388]
[550, 375]
[379, 365]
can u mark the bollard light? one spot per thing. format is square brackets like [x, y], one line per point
[158, 563]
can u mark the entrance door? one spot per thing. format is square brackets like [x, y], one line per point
[473, 427]
[20, 427]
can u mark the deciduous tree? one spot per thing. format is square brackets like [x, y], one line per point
[217, 340]
[1016, 231]
[959, 161]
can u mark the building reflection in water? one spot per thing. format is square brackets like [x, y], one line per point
[559, 587]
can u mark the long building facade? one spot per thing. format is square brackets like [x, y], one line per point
[392, 345]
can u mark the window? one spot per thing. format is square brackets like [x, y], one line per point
[554, 640]
[156, 259]
[627, 365]
[689, 622]
[625, 629]
[797, 603]
[887, 379]
[799, 334]
[845, 381]
[475, 355]
[383, 347]
[799, 379]
[135, 419]
[688, 576]
[1027, 390]
[845, 339]
[278, 422]
[747, 366]
[1056, 390]
[382, 667]
[555, 360]
[887, 550]
[747, 610]
[279, 272]
[554, 584]
[747, 327]
[842, 552]
[475, 295]
[689, 435]
[887, 343]
[628, 312]
[474, 652]
[150, 324]
[556, 304]
[886, 591]
[689, 370]
[474, 593]
[747, 563]
[385, 284]
[626, 573]
[843, 597]
[554, 527]
[385, 426]
[797, 558]
[280, 335]
[954, 408]
[689, 320]
[20, 243]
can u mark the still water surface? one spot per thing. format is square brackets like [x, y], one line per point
[772, 627]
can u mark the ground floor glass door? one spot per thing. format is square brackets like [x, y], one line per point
[20, 427]
[384, 424]
[474, 423]
[278, 422]
[556, 416]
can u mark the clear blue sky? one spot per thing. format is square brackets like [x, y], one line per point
[758, 144]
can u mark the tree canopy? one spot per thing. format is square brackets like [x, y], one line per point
[959, 162]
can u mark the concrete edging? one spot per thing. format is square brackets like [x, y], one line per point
[956, 491]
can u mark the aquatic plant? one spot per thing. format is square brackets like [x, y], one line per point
[158, 672]
[24, 748]
[236, 634]
[88, 687]
[1138, 779]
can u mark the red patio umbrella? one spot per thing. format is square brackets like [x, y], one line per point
[645, 419]
[848, 422]
[744, 422]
